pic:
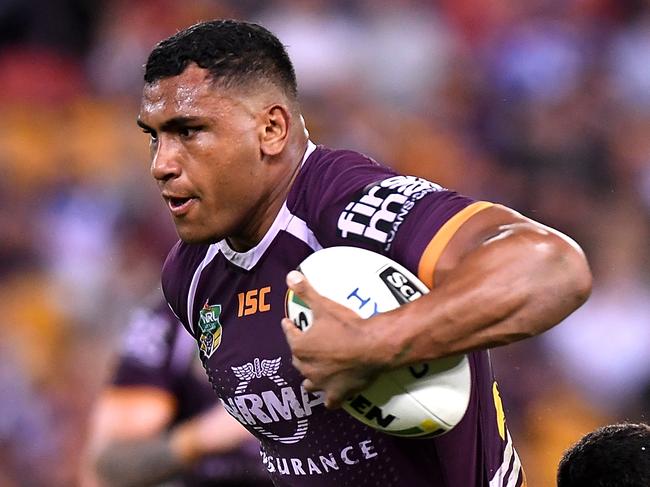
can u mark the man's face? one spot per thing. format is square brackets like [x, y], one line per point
[206, 156]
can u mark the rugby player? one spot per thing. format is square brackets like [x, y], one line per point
[251, 196]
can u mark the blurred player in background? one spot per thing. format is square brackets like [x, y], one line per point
[616, 455]
[159, 420]
[251, 196]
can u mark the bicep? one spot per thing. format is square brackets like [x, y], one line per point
[493, 224]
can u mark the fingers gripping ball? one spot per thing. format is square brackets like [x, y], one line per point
[419, 401]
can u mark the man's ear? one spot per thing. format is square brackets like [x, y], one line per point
[275, 130]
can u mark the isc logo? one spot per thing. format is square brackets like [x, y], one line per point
[253, 301]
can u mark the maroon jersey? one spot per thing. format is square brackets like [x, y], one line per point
[157, 352]
[232, 303]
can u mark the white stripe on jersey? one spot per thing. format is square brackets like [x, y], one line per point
[299, 229]
[213, 250]
[497, 480]
[508, 453]
[516, 469]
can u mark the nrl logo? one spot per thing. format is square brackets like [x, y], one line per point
[210, 329]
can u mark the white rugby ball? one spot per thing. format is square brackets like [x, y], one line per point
[418, 401]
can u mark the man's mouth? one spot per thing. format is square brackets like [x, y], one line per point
[178, 205]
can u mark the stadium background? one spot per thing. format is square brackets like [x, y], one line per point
[543, 105]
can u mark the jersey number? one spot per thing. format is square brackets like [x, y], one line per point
[253, 301]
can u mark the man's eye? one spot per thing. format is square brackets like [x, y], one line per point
[188, 132]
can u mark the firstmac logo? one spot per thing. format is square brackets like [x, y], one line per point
[377, 214]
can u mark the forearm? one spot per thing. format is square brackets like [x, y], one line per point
[138, 462]
[150, 461]
[515, 285]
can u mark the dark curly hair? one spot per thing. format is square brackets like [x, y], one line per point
[234, 52]
[617, 455]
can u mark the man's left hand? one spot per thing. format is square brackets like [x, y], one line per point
[337, 354]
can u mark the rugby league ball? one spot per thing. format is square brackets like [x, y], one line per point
[419, 401]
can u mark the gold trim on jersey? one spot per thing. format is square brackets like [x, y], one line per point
[433, 251]
[498, 406]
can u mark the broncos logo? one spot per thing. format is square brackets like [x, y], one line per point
[256, 370]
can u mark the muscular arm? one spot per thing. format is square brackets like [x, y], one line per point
[138, 462]
[501, 278]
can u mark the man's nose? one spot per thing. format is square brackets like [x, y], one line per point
[165, 163]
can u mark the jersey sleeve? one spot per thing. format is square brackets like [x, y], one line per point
[348, 199]
[145, 357]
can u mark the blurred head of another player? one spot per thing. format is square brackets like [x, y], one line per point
[220, 106]
[612, 456]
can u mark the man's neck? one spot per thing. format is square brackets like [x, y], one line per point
[268, 208]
